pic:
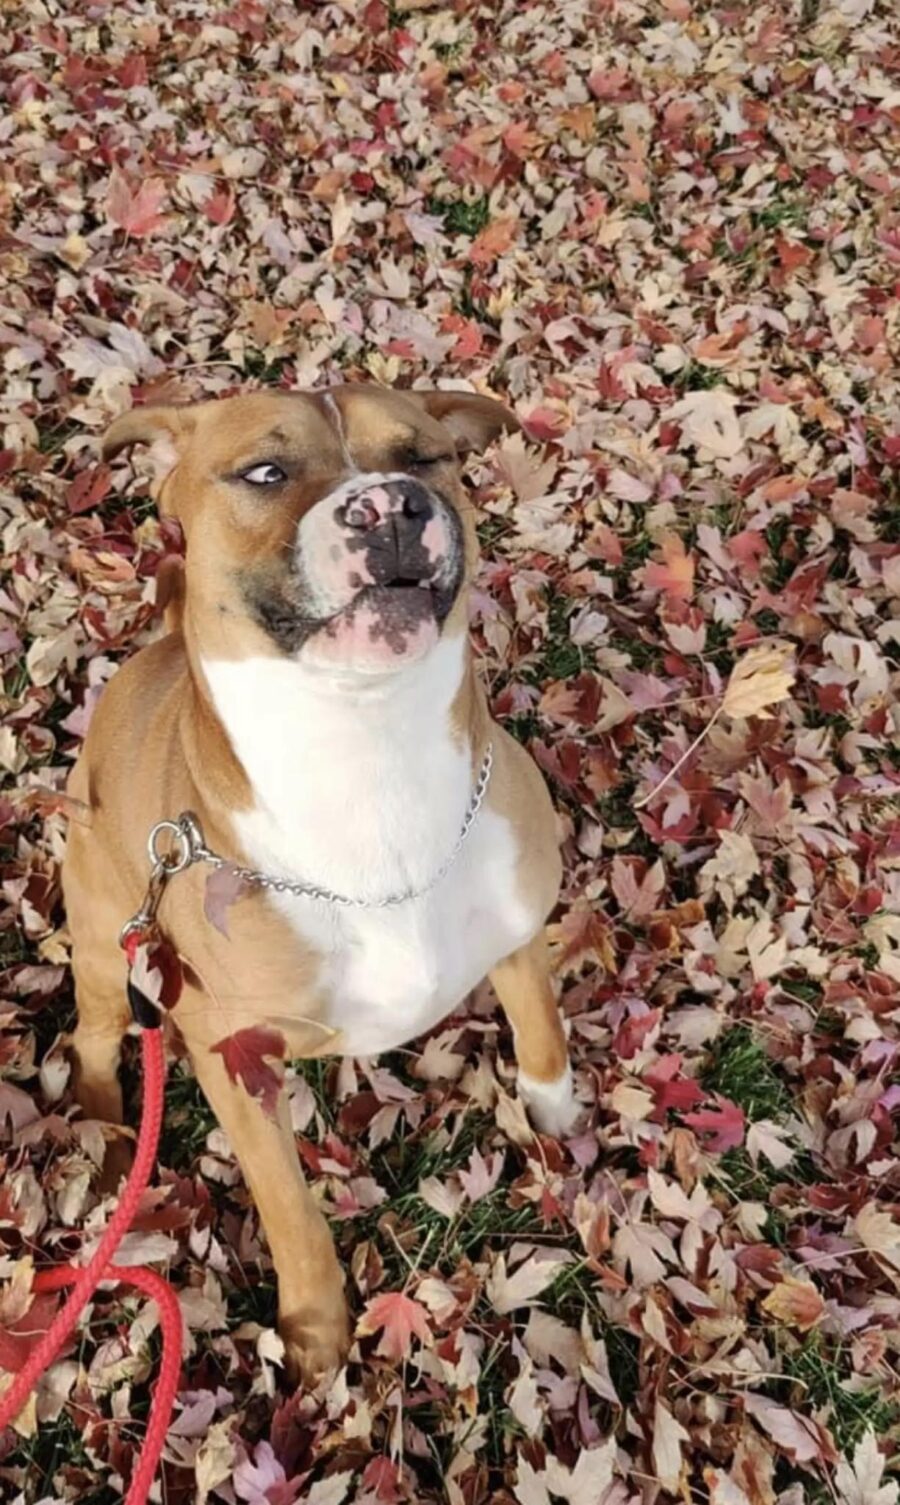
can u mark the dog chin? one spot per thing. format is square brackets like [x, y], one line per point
[383, 629]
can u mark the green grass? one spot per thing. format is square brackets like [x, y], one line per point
[767, 621]
[187, 1122]
[694, 377]
[52, 438]
[888, 516]
[803, 988]
[52, 1448]
[461, 216]
[740, 1070]
[427, 1238]
[643, 655]
[616, 810]
[524, 727]
[316, 1074]
[558, 657]
[138, 507]
[260, 367]
[257, 1302]
[776, 536]
[779, 212]
[491, 528]
[824, 1379]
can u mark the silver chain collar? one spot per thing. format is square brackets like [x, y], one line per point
[187, 847]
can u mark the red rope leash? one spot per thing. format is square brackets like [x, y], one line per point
[84, 1282]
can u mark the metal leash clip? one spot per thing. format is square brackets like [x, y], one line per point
[182, 853]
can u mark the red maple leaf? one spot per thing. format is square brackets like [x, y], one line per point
[544, 425]
[398, 1318]
[722, 1127]
[246, 1055]
[88, 488]
[383, 1477]
[21, 1337]
[670, 1089]
[219, 207]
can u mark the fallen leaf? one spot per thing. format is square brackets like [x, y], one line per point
[794, 1434]
[399, 1318]
[796, 1303]
[859, 1482]
[136, 210]
[709, 422]
[507, 1293]
[674, 576]
[721, 1127]
[668, 1435]
[759, 680]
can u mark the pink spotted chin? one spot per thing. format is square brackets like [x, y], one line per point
[384, 628]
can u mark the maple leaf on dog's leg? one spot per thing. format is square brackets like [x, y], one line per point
[247, 1054]
[223, 887]
[398, 1317]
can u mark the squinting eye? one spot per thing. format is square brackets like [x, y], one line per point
[264, 475]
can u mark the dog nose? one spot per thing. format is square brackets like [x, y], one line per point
[415, 500]
[405, 497]
[361, 513]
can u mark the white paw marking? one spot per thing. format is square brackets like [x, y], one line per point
[552, 1106]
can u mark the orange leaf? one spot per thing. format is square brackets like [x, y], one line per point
[675, 575]
[494, 239]
[398, 1318]
[796, 1303]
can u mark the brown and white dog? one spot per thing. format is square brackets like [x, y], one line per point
[316, 706]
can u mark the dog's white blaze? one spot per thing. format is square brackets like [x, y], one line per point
[335, 412]
[360, 787]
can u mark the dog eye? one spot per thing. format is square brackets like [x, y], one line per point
[264, 475]
[422, 462]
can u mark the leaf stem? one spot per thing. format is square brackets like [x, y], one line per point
[641, 803]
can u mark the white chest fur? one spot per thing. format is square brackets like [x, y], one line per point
[361, 787]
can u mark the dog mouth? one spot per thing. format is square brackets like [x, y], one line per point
[390, 613]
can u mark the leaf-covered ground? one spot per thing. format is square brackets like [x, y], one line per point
[666, 231]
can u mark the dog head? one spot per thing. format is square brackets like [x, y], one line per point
[331, 526]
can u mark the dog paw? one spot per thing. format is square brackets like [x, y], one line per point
[552, 1106]
[315, 1344]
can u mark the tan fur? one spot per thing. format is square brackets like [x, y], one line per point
[155, 748]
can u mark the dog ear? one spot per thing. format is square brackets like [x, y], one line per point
[163, 430]
[473, 420]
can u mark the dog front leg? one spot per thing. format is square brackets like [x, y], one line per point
[103, 1018]
[522, 983]
[312, 1307]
